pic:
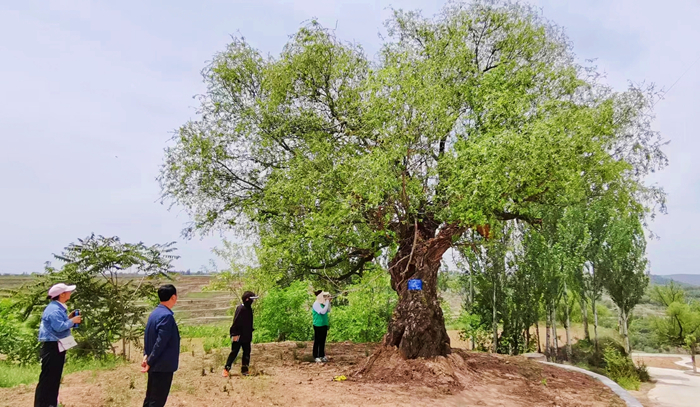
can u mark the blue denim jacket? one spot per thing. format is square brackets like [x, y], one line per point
[55, 324]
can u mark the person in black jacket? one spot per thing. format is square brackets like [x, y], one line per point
[161, 352]
[241, 334]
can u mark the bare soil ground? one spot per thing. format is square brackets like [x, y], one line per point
[642, 395]
[661, 361]
[282, 376]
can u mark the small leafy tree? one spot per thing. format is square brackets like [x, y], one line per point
[623, 264]
[681, 326]
[114, 286]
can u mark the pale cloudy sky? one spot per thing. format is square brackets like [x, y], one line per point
[91, 91]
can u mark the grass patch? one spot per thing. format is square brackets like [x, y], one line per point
[610, 361]
[208, 295]
[204, 331]
[12, 374]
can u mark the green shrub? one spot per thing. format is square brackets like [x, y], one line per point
[470, 325]
[18, 341]
[368, 309]
[620, 368]
[284, 314]
[628, 383]
[643, 372]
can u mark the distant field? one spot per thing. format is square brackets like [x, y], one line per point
[195, 307]
[9, 283]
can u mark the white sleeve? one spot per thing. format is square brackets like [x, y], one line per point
[318, 309]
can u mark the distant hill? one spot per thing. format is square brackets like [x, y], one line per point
[683, 279]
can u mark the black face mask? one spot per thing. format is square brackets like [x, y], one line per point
[248, 303]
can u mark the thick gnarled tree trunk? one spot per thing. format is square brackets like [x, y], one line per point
[417, 327]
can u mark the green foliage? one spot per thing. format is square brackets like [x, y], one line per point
[18, 341]
[216, 342]
[12, 374]
[681, 325]
[359, 314]
[621, 369]
[284, 314]
[643, 335]
[330, 156]
[203, 331]
[365, 310]
[471, 327]
[113, 306]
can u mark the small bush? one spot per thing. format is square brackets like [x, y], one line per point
[628, 383]
[643, 372]
[470, 325]
[367, 312]
[284, 314]
[621, 369]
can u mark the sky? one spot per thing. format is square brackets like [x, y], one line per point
[93, 90]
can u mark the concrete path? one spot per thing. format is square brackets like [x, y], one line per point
[622, 393]
[674, 388]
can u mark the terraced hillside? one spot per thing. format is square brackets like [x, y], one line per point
[197, 307]
[12, 282]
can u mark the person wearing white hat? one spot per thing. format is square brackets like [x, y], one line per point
[320, 310]
[55, 335]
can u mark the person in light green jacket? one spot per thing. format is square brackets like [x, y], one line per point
[320, 311]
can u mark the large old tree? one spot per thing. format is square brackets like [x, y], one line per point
[335, 160]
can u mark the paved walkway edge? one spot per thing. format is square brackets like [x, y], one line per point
[622, 393]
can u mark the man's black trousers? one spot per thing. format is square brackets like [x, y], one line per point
[158, 388]
[46, 394]
[235, 347]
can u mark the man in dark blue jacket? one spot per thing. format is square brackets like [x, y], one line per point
[161, 352]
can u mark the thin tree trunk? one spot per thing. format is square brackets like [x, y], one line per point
[692, 358]
[555, 337]
[494, 323]
[625, 333]
[568, 325]
[537, 332]
[584, 315]
[527, 339]
[471, 301]
[595, 324]
[548, 335]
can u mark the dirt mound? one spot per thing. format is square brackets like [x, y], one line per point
[387, 365]
[486, 379]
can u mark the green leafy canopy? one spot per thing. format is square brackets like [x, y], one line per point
[476, 115]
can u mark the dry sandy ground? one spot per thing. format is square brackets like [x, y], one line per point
[664, 362]
[283, 378]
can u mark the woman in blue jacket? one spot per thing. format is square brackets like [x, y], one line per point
[55, 336]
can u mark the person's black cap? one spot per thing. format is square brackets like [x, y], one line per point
[248, 295]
